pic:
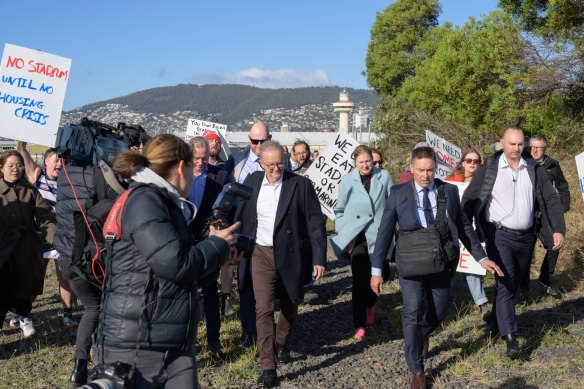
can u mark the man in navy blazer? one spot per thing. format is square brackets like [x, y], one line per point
[284, 216]
[207, 185]
[414, 205]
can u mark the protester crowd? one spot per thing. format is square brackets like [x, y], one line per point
[170, 265]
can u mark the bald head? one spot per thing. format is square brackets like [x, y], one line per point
[258, 134]
[513, 142]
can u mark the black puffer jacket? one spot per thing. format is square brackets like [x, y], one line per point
[156, 249]
[556, 176]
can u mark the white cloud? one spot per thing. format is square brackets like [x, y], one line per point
[279, 78]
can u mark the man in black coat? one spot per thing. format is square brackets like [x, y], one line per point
[510, 198]
[538, 146]
[207, 185]
[284, 216]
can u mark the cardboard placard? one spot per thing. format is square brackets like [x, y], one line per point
[447, 155]
[326, 171]
[196, 127]
[467, 263]
[32, 90]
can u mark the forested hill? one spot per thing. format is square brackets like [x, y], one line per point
[232, 102]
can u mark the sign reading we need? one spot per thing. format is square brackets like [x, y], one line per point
[326, 171]
[32, 90]
[196, 127]
[447, 155]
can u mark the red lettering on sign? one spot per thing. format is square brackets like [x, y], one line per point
[462, 262]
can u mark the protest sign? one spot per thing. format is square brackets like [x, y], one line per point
[580, 166]
[447, 155]
[196, 127]
[466, 262]
[32, 90]
[326, 171]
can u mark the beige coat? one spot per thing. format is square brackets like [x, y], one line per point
[20, 243]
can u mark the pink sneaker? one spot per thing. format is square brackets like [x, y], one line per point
[370, 316]
[360, 333]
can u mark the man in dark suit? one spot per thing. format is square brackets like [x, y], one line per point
[284, 216]
[414, 205]
[207, 185]
[510, 199]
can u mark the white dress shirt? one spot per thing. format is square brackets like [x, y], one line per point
[511, 202]
[268, 199]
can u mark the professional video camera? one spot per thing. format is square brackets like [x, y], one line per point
[223, 207]
[113, 376]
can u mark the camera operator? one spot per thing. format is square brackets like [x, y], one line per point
[150, 311]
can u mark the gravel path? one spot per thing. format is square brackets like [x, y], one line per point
[324, 353]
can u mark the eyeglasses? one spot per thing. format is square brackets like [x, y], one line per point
[538, 147]
[472, 161]
[271, 166]
[256, 141]
[377, 162]
[301, 153]
[17, 166]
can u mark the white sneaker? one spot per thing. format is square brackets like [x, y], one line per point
[14, 321]
[27, 327]
[69, 322]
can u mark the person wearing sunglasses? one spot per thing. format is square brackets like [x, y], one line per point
[463, 173]
[377, 158]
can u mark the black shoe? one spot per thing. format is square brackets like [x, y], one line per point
[550, 290]
[79, 374]
[249, 341]
[512, 346]
[226, 306]
[215, 353]
[283, 353]
[267, 378]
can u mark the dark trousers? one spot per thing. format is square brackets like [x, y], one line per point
[247, 311]
[19, 306]
[548, 266]
[90, 296]
[363, 296]
[265, 283]
[156, 368]
[425, 303]
[211, 309]
[512, 253]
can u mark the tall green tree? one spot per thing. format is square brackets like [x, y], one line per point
[475, 76]
[395, 35]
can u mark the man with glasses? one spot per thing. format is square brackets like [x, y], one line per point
[414, 205]
[538, 145]
[284, 216]
[301, 152]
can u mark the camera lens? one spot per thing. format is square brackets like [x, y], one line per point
[102, 383]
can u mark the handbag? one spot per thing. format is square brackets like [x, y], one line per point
[427, 250]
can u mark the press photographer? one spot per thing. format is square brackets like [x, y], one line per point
[150, 311]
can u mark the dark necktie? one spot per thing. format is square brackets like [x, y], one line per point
[428, 214]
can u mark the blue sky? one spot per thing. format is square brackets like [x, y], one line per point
[120, 47]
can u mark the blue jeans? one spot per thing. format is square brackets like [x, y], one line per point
[419, 319]
[475, 286]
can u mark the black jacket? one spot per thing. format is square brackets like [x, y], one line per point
[554, 172]
[299, 231]
[548, 210]
[155, 265]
